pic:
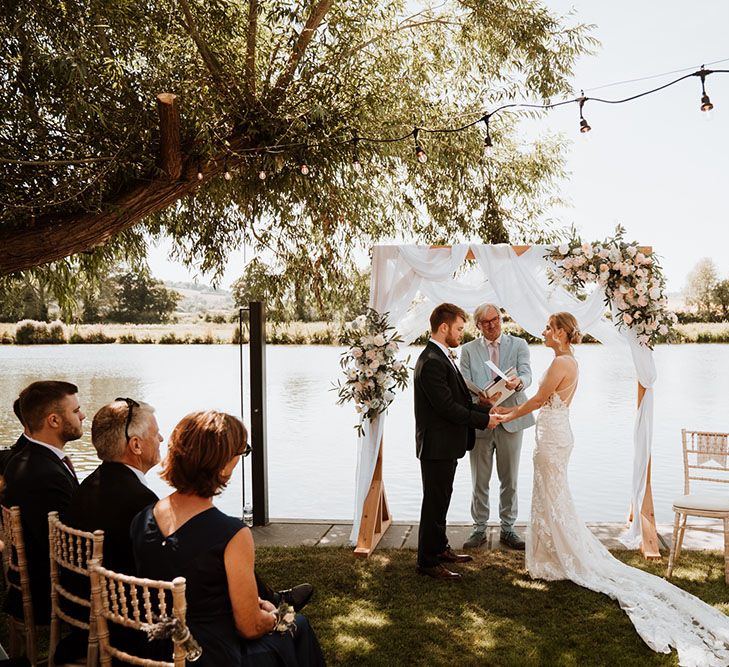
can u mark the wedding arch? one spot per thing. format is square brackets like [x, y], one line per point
[408, 281]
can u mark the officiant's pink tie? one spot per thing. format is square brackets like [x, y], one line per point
[494, 354]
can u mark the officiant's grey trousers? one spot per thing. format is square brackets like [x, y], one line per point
[507, 449]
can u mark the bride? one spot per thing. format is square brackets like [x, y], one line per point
[560, 546]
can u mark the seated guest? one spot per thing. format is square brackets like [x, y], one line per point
[184, 535]
[40, 478]
[7, 454]
[126, 437]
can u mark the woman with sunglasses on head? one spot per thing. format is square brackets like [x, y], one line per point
[185, 535]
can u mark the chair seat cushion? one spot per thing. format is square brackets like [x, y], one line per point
[703, 501]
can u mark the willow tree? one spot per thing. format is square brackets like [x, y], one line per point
[121, 119]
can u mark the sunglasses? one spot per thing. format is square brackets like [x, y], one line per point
[131, 404]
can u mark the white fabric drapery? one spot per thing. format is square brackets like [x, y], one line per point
[409, 281]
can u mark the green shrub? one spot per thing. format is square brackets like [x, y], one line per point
[236, 336]
[172, 339]
[31, 332]
[207, 339]
[95, 336]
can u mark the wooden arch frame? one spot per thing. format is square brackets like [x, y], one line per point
[376, 517]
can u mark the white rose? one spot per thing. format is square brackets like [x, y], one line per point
[396, 365]
[663, 329]
[625, 269]
[357, 352]
[389, 396]
[379, 340]
[577, 251]
[623, 288]
[655, 293]
[639, 258]
[582, 275]
[627, 319]
[587, 250]
[374, 364]
[370, 354]
[642, 300]
[603, 253]
[392, 346]
[631, 250]
[567, 264]
[563, 249]
[643, 340]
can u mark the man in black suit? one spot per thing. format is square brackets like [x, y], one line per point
[7, 454]
[445, 419]
[40, 478]
[126, 437]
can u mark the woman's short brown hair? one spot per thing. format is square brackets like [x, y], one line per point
[200, 446]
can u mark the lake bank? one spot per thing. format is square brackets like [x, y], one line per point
[288, 333]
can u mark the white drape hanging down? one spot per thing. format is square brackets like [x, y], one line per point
[518, 283]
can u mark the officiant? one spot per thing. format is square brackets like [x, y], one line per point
[503, 442]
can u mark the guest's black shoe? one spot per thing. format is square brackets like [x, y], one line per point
[511, 539]
[297, 596]
[439, 572]
[449, 556]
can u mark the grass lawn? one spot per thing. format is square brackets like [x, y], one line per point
[380, 612]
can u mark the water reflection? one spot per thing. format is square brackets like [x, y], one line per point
[312, 443]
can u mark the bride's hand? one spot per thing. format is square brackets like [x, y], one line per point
[500, 410]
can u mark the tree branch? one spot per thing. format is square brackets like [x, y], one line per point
[170, 157]
[313, 22]
[251, 49]
[399, 28]
[211, 61]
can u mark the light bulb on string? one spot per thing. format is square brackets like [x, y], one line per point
[262, 174]
[488, 145]
[355, 155]
[706, 105]
[227, 175]
[584, 125]
[420, 154]
[199, 172]
[305, 169]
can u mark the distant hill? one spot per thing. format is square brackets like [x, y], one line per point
[199, 298]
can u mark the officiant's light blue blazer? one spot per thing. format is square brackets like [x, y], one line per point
[513, 351]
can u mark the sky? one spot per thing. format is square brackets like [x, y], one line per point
[655, 165]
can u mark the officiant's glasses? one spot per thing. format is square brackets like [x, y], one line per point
[131, 404]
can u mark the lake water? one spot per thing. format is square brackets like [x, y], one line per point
[311, 440]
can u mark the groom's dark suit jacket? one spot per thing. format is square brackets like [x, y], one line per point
[445, 415]
[38, 482]
[445, 418]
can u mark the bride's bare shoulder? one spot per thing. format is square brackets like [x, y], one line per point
[564, 365]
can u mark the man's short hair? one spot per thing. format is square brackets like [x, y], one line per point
[108, 428]
[200, 446]
[40, 399]
[18, 413]
[481, 311]
[446, 313]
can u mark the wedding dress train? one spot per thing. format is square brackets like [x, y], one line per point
[560, 546]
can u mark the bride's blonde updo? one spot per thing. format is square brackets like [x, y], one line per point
[568, 324]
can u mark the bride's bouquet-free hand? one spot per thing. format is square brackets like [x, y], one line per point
[372, 371]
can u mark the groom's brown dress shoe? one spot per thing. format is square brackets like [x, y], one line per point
[449, 556]
[439, 572]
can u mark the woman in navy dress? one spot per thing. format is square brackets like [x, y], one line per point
[185, 535]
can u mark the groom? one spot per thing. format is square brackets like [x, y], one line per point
[445, 419]
[505, 352]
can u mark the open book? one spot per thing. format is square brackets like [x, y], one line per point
[496, 386]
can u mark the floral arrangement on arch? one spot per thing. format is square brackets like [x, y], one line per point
[634, 283]
[371, 370]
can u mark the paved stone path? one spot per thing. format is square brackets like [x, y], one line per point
[404, 535]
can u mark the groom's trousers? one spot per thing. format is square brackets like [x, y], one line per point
[437, 476]
[506, 447]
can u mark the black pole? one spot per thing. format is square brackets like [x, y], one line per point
[242, 411]
[259, 464]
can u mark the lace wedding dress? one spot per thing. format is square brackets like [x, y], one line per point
[560, 546]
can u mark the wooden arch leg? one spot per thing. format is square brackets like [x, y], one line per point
[375, 514]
